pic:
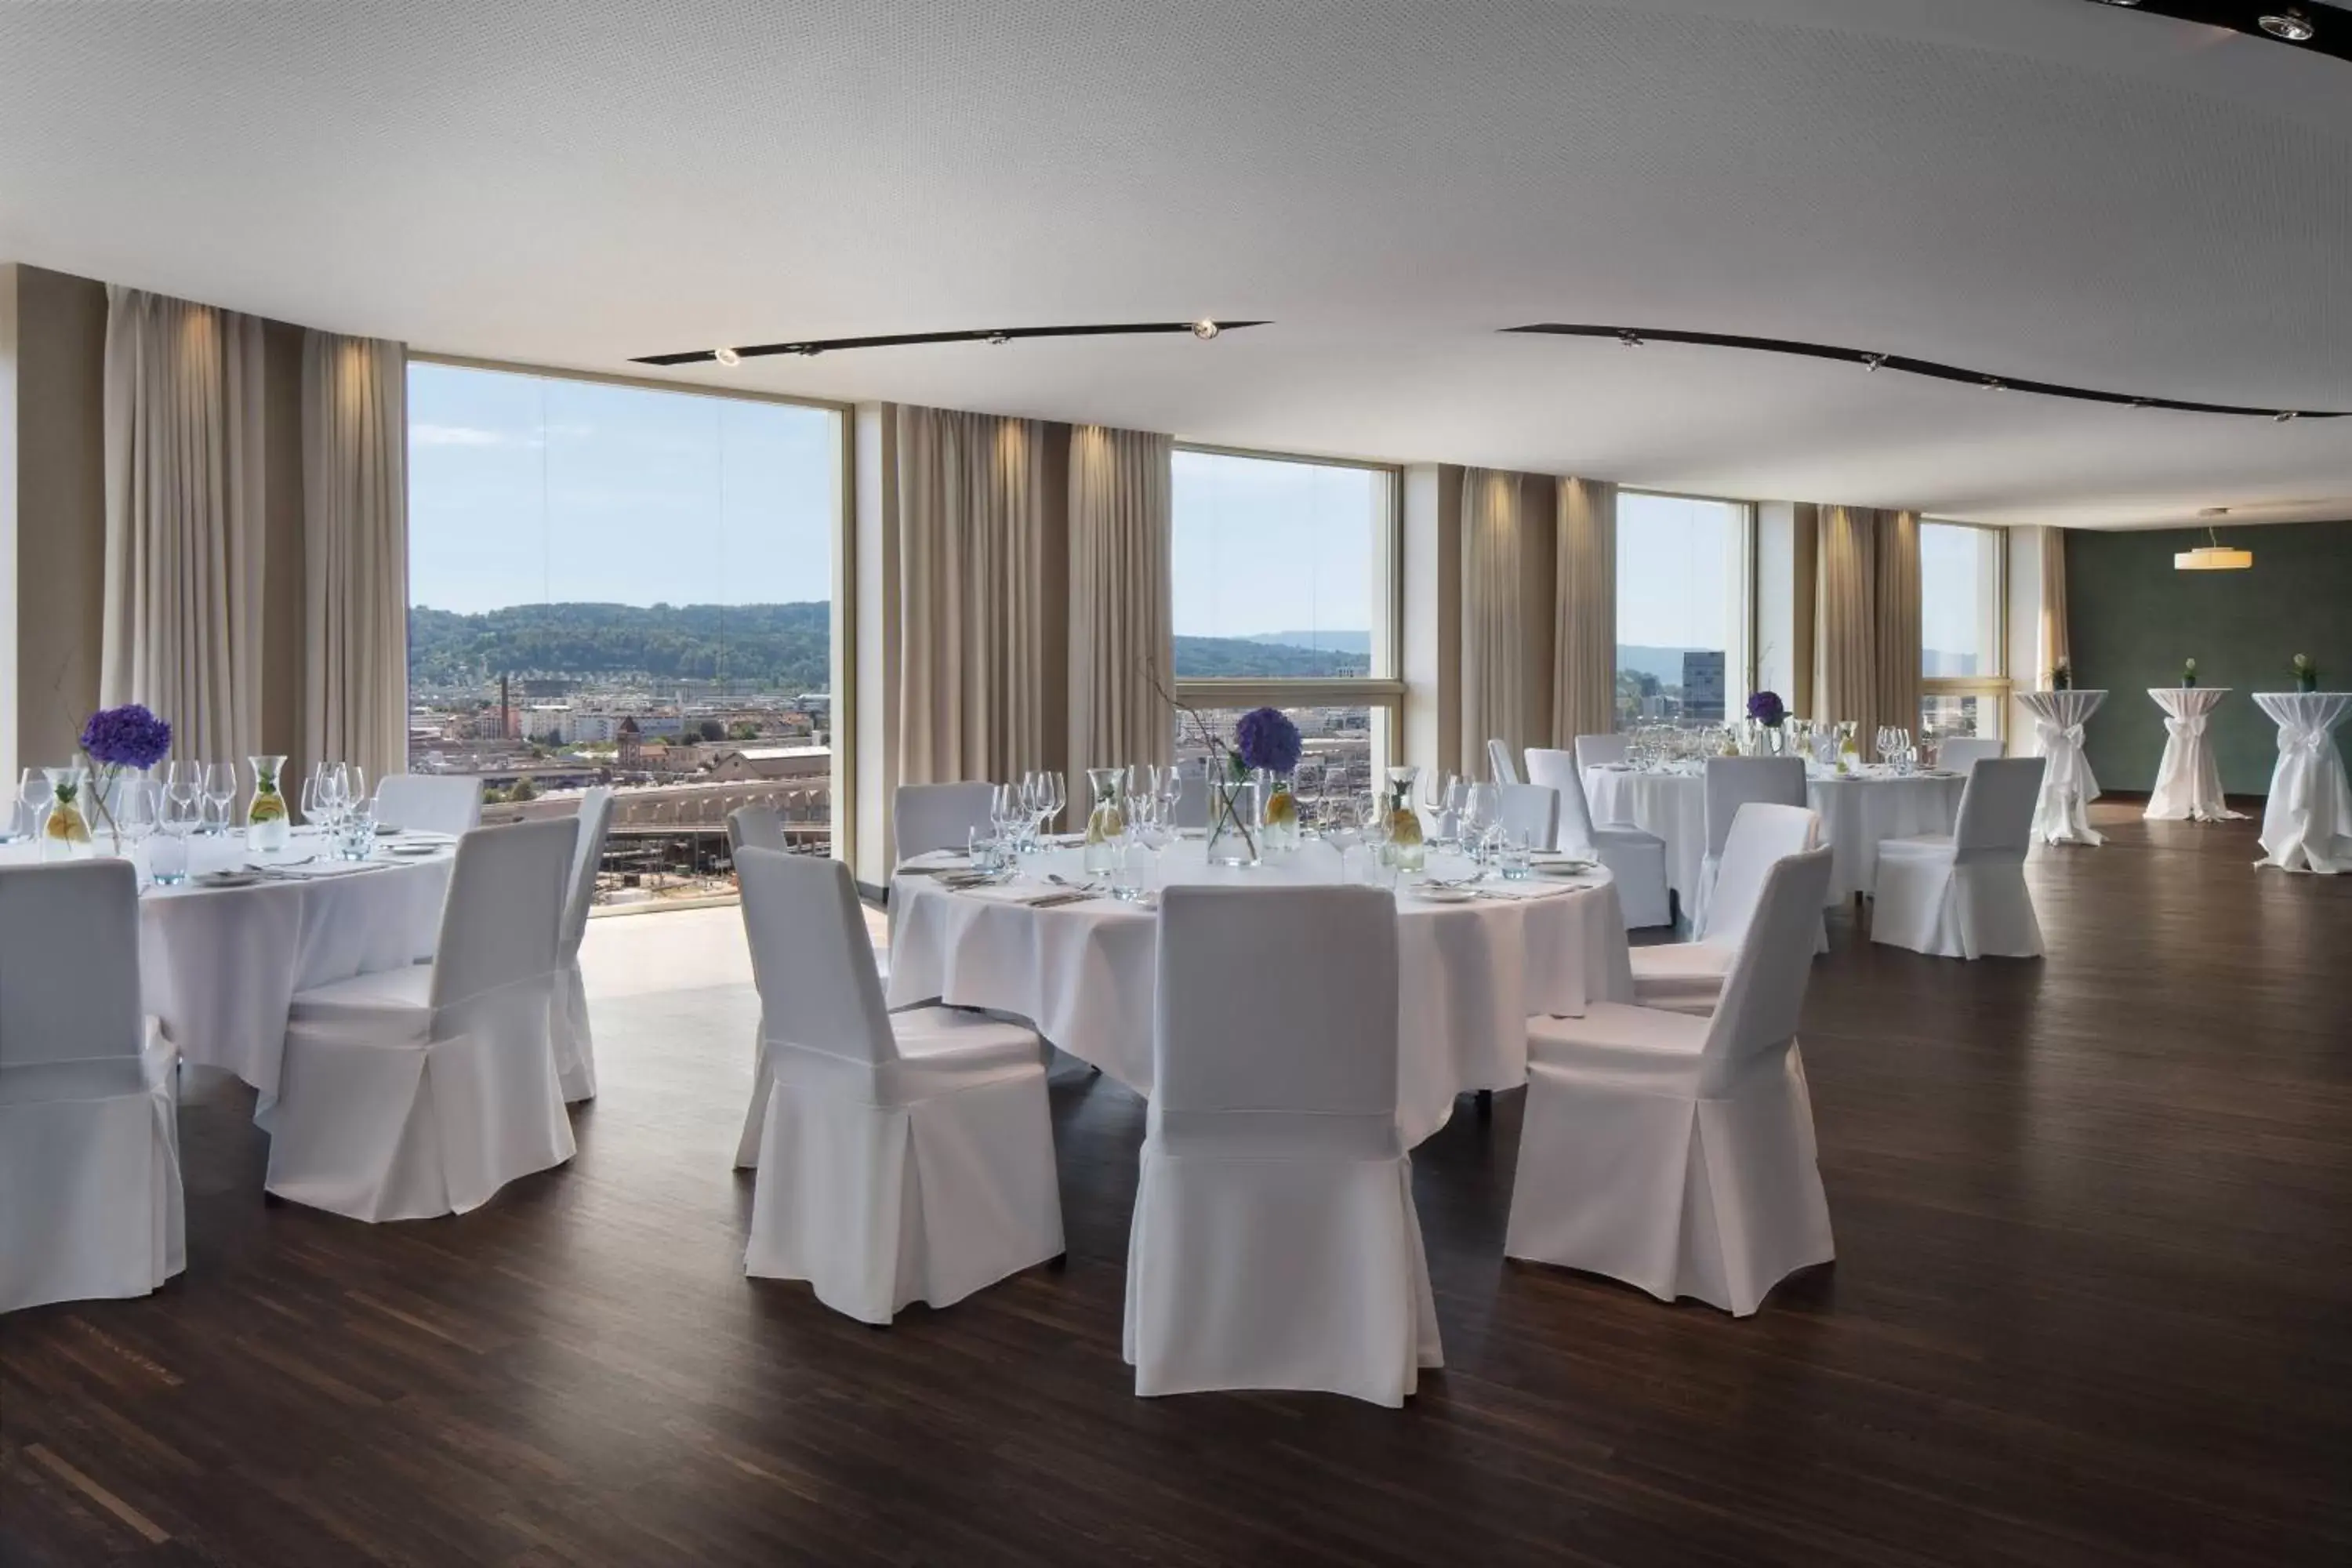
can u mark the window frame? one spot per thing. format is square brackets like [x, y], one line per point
[1382, 694]
[841, 622]
[1739, 680]
[1991, 689]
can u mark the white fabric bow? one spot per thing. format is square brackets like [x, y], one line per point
[2063, 744]
[2192, 725]
[2299, 763]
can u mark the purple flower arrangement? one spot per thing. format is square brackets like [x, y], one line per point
[126, 737]
[1266, 738]
[1766, 709]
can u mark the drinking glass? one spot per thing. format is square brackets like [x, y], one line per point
[1482, 812]
[1373, 818]
[1007, 811]
[310, 808]
[220, 797]
[1054, 795]
[133, 808]
[1515, 855]
[20, 814]
[180, 811]
[981, 845]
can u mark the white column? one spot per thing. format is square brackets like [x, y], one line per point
[1432, 569]
[2024, 633]
[872, 656]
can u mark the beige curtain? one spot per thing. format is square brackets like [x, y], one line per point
[972, 584]
[1845, 647]
[1121, 638]
[1896, 627]
[2050, 646]
[1584, 694]
[184, 520]
[1493, 703]
[355, 550]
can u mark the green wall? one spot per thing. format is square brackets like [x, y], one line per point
[2131, 619]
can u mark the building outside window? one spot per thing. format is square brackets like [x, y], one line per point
[1284, 595]
[1964, 676]
[1682, 587]
[617, 584]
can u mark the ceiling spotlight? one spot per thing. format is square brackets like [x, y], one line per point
[2293, 26]
[727, 356]
[1205, 329]
[1994, 383]
[999, 338]
[1872, 362]
[2284, 417]
[806, 350]
[2118, 2]
[1630, 339]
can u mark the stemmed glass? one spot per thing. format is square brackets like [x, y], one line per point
[220, 796]
[1008, 809]
[132, 805]
[1052, 796]
[23, 818]
[311, 810]
[1482, 815]
[180, 811]
[1373, 818]
[1444, 797]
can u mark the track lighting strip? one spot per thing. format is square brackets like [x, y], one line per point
[1202, 328]
[1634, 337]
[2311, 25]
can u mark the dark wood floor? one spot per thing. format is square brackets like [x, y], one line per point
[2093, 1303]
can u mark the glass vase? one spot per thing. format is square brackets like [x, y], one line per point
[1236, 823]
[64, 831]
[1279, 798]
[1106, 826]
[266, 822]
[1776, 741]
[1405, 850]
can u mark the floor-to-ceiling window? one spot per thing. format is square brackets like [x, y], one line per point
[615, 582]
[1964, 677]
[1682, 609]
[1283, 594]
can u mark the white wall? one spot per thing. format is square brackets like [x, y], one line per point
[2024, 649]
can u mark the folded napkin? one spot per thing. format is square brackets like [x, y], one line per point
[1543, 887]
[1024, 893]
[319, 871]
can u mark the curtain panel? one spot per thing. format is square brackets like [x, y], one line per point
[1492, 636]
[971, 526]
[181, 628]
[355, 550]
[2051, 645]
[1845, 644]
[1584, 692]
[1896, 627]
[1121, 629]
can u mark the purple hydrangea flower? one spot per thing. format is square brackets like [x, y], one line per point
[1268, 739]
[1765, 708]
[129, 736]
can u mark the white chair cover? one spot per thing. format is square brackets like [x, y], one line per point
[430, 803]
[1275, 1242]
[1676, 1153]
[1498, 762]
[1965, 896]
[756, 827]
[1732, 782]
[1596, 751]
[575, 1045]
[423, 1090]
[1635, 858]
[924, 817]
[90, 1201]
[1530, 814]
[903, 1156]
[1960, 752]
[2307, 821]
[1688, 976]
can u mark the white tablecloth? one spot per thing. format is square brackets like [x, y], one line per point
[2060, 813]
[219, 965]
[1857, 812]
[2188, 779]
[2307, 825]
[1471, 975]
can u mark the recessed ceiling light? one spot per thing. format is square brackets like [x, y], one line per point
[2118, 2]
[2293, 26]
[727, 356]
[1205, 329]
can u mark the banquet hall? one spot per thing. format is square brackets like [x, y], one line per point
[1210, 783]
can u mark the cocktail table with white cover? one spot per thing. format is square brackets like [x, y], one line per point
[2063, 815]
[2307, 825]
[1857, 811]
[219, 965]
[2188, 779]
[1470, 975]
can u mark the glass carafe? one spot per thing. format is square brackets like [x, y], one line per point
[1404, 849]
[264, 815]
[64, 831]
[1106, 826]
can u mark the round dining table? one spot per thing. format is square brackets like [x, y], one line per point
[1858, 811]
[1470, 975]
[219, 965]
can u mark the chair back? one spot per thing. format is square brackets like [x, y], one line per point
[430, 803]
[1498, 762]
[1961, 752]
[1733, 781]
[810, 957]
[1592, 750]
[69, 962]
[1765, 991]
[595, 821]
[1530, 814]
[504, 918]
[1997, 809]
[924, 817]
[755, 827]
[1192, 808]
[1762, 835]
[1276, 1000]
[1558, 772]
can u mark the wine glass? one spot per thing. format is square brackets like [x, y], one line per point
[310, 807]
[180, 811]
[1054, 795]
[1482, 813]
[220, 797]
[1006, 812]
[133, 808]
[23, 818]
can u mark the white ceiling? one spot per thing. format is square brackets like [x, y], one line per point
[2041, 189]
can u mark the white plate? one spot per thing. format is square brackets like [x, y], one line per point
[225, 880]
[1432, 894]
[412, 849]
